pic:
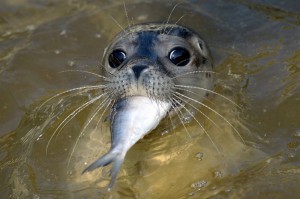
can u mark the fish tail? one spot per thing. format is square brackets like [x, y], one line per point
[116, 158]
[115, 170]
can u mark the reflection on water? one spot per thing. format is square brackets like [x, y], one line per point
[256, 49]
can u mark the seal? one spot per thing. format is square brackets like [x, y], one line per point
[151, 70]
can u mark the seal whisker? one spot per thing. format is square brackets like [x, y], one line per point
[83, 71]
[126, 14]
[204, 130]
[88, 88]
[208, 90]
[132, 22]
[117, 23]
[199, 111]
[180, 116]
[214, 111]
[182, 61]
[189, 91]
[99, 107]
[170, 118]
[194, 72]
[179, 19]
[100, 63]
[196, 94]
[202, 71]
[110, 102]
[176, 23]
[70, 117]
[76, 111]
[169, 17]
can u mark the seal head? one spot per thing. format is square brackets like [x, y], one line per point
[151, 59]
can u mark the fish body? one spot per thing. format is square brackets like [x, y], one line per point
[132, 118]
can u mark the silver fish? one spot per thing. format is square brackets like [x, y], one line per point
[132, 119]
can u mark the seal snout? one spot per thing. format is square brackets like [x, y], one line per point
[138, 69]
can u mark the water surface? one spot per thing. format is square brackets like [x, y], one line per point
[255, 45]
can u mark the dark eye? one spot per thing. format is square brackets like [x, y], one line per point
[116, 58]
[179, 56]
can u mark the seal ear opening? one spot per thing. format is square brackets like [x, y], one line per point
[205, 52]
[202, 47]
[200, 44]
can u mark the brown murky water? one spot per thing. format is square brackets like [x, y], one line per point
[255, 45]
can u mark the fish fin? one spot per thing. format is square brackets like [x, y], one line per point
[115, 170]
[101, 162]
[106, 159]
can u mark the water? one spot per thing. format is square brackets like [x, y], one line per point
[255, 45]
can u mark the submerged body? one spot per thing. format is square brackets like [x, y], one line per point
[132, 119]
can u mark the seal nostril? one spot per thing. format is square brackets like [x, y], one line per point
[138, 70]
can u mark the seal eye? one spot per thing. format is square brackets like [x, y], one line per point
[116, 58]
[179, 56]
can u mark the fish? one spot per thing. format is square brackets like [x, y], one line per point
[132, 118]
